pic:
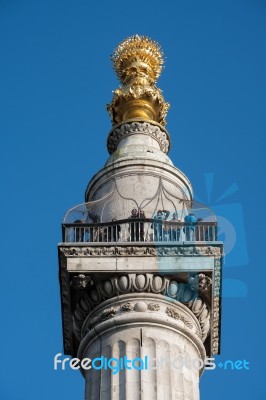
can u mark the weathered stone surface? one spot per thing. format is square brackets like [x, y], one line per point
[167, 334]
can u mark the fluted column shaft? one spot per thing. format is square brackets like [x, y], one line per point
[164, 334]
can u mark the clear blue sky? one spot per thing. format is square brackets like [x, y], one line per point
[55, 79]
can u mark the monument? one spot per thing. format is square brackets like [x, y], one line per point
[140, 263]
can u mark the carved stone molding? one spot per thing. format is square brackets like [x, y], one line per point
[66, 306]
[127, 307]
[176, 315]
[153, 307]
[103, 316]
[146, 249]
[80, 296]
[131, 128]
[144, 309]
[81, 281]
[200, 282]
[117, 286]
[216, 307]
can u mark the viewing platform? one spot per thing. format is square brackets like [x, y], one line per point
[139, 230]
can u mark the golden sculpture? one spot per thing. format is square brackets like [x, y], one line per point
[138, 63]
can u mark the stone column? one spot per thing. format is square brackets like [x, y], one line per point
[145, 295]
[140, 325]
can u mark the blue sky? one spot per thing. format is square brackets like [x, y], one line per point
[55, 80]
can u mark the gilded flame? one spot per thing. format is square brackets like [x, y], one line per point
[138, 62]
[138, 55]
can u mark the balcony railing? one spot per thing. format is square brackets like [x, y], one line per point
[139, 230]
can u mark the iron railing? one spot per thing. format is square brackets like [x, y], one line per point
[139, 230]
